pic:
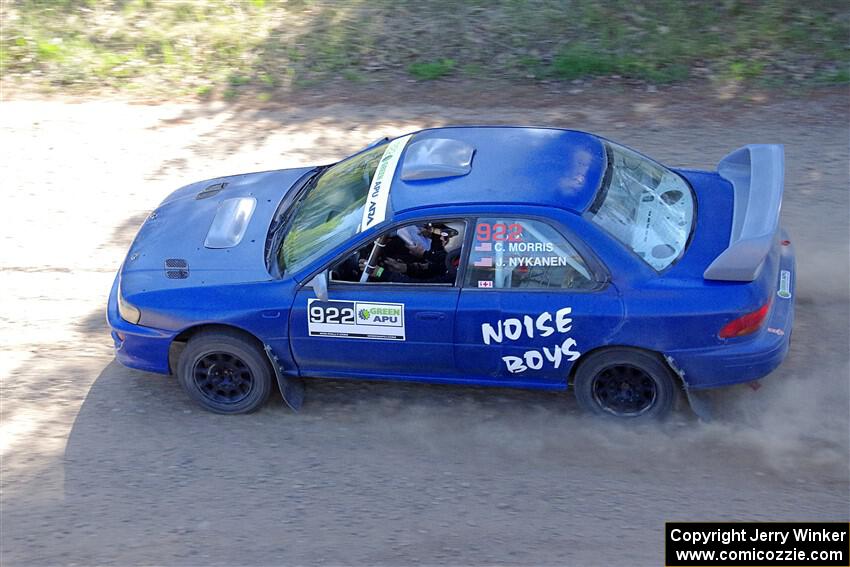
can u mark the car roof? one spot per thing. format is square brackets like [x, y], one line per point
[511, 165]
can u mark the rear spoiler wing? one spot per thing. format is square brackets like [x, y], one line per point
[757, 174]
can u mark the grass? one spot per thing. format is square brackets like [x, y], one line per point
[741, 70]
[576, 62]
[223, 47]
[430, 70]
[834, 77]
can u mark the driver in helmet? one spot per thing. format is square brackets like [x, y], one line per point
[418, 255]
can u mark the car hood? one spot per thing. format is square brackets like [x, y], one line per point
[172, 248]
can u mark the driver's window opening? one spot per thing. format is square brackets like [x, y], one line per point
[418, 253]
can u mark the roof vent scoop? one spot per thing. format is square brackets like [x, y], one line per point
[230, 222]
[434, 158]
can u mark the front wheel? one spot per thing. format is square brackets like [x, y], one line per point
[625, 383]
[225, 372]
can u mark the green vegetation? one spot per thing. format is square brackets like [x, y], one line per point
[432, 69]
[577, 62]
[226, 47]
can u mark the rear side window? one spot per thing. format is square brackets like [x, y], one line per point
[645, 206]
[510, 253]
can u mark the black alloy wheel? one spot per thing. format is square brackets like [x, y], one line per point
[624, 390]
[225, 371]
[625, 383]
[222, 377]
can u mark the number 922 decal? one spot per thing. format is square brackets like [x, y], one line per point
[356, 320]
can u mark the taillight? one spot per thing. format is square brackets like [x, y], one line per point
[746, 324]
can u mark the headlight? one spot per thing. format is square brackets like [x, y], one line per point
[128, 312]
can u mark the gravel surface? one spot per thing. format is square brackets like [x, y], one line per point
[105, 465]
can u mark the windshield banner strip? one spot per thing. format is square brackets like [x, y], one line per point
[375, 210]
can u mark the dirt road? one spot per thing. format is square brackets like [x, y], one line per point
[104, 465]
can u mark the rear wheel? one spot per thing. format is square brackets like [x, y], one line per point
[225, 372]
[625, 383]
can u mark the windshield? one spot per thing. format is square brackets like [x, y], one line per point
[330, 212]
[645, 206]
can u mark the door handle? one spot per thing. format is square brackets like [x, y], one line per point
[431, 315]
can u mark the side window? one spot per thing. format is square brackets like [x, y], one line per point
[523, 253]
[417, 253]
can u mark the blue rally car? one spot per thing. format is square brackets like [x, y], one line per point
[519, 257]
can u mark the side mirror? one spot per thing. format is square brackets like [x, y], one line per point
[319, 283]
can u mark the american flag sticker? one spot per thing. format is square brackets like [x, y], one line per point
[486, 262]
[484, 247]
[485, 283]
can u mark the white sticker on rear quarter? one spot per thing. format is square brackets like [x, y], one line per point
[784, 285]
[375, 210]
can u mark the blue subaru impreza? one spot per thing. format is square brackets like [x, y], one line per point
[521, 257]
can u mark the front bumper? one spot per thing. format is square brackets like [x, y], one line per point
[751, 358]
[142, 348]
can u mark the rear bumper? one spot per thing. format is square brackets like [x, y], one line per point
[142, 348]
[749, 358]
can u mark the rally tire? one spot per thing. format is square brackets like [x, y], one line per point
[625, 383]
[225, 372]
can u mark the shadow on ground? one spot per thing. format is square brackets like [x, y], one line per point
[379, 473]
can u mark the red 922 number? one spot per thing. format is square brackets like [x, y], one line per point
[499, 231]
